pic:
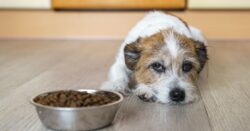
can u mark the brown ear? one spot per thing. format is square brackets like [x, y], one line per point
[132, 54]
[201, 51]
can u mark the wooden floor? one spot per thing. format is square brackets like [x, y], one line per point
[28, 68]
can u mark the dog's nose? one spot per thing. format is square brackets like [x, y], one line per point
[177, 95]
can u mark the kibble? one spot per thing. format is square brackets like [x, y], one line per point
[73, 98]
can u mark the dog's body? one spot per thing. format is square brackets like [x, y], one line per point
[159, 60]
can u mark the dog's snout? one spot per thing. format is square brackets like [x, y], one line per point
[177, 95]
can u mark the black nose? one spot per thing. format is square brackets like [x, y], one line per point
[177, 95]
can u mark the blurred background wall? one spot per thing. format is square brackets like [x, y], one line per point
[36, 19]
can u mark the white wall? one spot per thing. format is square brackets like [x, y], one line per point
[25, 4]
[218, 4]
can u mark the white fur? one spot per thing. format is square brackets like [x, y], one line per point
[149, 25]
[172, 45]
[153, 23]
[197, 34]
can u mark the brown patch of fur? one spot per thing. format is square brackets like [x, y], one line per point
[152, 42]
[190, 46]
[148, 46]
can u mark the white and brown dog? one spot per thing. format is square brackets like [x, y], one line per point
[159, 60]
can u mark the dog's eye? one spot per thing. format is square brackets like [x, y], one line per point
[187, 66]
[158, 67]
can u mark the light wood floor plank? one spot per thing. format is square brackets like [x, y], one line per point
[225, 89]
[224, 86]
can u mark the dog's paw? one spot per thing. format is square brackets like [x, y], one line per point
[146, 98]
[145, 94]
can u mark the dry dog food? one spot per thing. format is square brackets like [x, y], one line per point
[72, 98]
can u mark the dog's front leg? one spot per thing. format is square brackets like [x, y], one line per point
[118, 78]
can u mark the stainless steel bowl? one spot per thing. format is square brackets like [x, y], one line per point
[79, 118]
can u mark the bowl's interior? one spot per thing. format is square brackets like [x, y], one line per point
[90, 91]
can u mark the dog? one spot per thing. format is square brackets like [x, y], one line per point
[160, 60]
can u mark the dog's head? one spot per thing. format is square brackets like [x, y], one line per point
[167, 64]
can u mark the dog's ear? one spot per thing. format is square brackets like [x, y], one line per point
[132, 54]
[201, 51]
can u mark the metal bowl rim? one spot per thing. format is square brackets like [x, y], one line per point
[78, 108]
